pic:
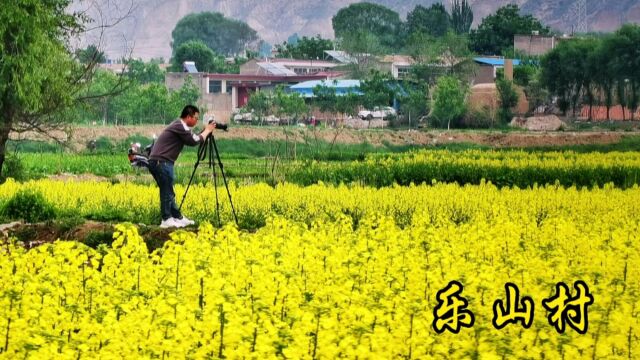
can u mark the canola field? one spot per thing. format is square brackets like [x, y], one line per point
[437, 271]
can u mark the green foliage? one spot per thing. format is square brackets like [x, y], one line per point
[104, 144]
[38, 76]
[461, 16]
[30, 206]
[13, 168]
[144, 73]
[198, 52]
[449, 101]
[362, 46]
[593, 71]
[435, 57]
[137, 104]
[305, 48]
[536, 94]
[377, 20]
[495, 34]
[465, 167]
[223, 35]
[415, 102]
[66, 224]
[289, 105]
[91, 54]
[97, 238]
[479, 119]
[524, 73]
[348, 104]
[434, 21]
[379, 89]
[260, 103]
[508, 99]
[325, 98]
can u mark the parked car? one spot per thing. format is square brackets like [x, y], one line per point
[242, 117]
[378, 112]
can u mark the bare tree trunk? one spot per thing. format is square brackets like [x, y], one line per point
[5, 129]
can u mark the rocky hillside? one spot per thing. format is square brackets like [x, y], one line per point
[147, 28]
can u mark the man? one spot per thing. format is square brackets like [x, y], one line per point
[164, 154]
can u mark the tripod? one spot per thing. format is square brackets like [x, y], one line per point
[209, 148]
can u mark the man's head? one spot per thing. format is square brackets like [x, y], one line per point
[190, 115]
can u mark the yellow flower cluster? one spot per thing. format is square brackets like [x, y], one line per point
[517, 158]
[504, 168]
[312, 283]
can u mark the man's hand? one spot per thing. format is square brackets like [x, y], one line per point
[208, 129]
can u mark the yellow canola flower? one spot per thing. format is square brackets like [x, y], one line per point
[335, 272]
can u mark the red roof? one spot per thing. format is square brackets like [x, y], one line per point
[275, 78]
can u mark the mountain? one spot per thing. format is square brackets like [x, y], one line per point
[142, 28]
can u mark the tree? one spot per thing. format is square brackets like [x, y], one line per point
[495, 34]
[448, 55]
[449, 101]
[96, 106]
[90, 55]
[305, 48]
[260, 103]
[325, 98]
[290, 105]
[566, 73]
[144, 73]
[363, 18]
[38, 76]
[206, 60]
[348, 104]
[626, 54]
[378, 89]
[415, 103]
[595, 70]
[461, 16]
[363, 47]
[602, 67]
[434, 21]
[222, 35]
[508, 99]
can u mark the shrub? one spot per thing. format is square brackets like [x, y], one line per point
[30, 206]
[13, 168]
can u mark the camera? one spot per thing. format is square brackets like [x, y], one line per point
[211, 120]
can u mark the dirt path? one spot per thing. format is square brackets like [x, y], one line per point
[81, 135]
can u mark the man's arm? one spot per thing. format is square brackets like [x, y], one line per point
[189, 138]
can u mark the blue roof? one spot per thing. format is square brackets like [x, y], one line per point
[329, 83]
[494, 61]
[342, 87]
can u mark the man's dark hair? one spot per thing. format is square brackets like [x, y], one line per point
[189, 110]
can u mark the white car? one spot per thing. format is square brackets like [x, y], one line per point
[242, 117]
[379, 112]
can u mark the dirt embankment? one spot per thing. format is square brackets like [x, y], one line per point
[79, 137]
[90, 233]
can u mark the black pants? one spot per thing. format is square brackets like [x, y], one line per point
[163, 174]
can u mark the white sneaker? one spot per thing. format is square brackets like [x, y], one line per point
[185, 221]
[170, 222]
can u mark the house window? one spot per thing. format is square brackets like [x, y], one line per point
[215, 86]
[403, 72]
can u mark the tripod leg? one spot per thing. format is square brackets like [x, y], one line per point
[201, 152]
[224, 178]
[215, 181]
